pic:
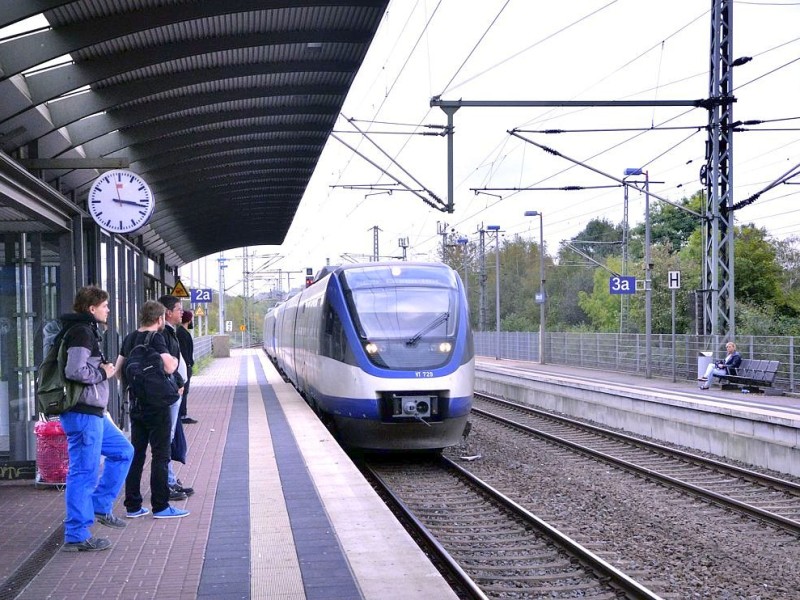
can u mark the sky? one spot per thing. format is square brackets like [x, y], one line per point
[536, 50]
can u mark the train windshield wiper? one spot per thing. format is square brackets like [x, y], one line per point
[435, 323]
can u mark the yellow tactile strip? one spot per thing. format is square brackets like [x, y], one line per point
[275, 571]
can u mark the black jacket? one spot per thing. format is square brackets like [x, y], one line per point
[187, 348]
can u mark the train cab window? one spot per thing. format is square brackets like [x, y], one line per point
[406, 319]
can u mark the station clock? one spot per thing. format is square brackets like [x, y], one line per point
[120, 201]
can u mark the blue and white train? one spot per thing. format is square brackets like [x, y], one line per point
[382, 351]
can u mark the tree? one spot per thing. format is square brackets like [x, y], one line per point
[599, 239]
[600, 305]
[670, 225]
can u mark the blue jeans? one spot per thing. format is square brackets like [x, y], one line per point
[713, 370]
[88, 493]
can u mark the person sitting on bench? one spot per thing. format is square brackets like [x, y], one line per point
[721, 368]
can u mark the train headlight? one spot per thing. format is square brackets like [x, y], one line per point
[371, 348]
[445, 347]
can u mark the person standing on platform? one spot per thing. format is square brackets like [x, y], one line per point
[172, 321]
[89, 429]
[187, 352]
[150, 420]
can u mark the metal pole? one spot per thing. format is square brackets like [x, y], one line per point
[466, 277]
[497, 290]
[221, 261]
[542, 298]
[674, 354]
[648, 292]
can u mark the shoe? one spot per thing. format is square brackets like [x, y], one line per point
[178, 487]
[171, 513]
[702, 379]
[703, 387]
[110, 520]
[138, 513]
[188, 420]
[91, 544]
[176, 495]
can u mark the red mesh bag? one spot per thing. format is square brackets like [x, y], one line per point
[52, 458]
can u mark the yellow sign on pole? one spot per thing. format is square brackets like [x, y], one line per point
[180, 291]
[242, 328]
[199, 312]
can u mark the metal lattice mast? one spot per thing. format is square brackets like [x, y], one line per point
[246, 293]
[376, 255]
[718, 314]
[482, 278]
[625, 302]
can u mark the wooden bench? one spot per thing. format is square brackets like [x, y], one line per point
[753, 375]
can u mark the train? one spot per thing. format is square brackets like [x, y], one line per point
[382, 351]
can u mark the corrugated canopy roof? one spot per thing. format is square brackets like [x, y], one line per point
[223, 106]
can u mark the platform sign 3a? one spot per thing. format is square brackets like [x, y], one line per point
[622, 285]
[179, 291]
[201, 296]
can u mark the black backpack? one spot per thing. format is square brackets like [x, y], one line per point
[149, 386]
[54, 393]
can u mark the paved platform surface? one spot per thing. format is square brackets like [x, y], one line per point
[279, 512]
[679, 387]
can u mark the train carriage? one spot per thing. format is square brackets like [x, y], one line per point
[382, 351]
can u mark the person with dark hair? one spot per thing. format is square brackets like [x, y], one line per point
[90, 431]
[187, 352]
[150, 421]
[172, 319]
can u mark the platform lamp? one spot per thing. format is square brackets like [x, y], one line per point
[462, 241]
[648, 292]
[496, 229]
[540, 297]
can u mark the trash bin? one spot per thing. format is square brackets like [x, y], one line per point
[703, 360]
[52, 458]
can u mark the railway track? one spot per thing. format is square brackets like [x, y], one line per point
[768, 499]
[494, 547]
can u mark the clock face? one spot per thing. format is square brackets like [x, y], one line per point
[120, 201]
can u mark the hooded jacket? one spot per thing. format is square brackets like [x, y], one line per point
[84, 357]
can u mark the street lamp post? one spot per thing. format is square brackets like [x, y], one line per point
[496, 229]
[542, 298]
[648, 287]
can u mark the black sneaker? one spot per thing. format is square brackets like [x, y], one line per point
[188, 420]
[176, 495]
[110, 520]
[179, 488]
[91, 544]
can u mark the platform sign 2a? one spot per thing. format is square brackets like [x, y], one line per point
[201, 296]
[622, 285]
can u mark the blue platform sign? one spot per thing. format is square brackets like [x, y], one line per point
[622, 285]
[200, 296]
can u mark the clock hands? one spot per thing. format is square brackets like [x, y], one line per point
[142, 203]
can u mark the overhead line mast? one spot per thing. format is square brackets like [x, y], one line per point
[718, 277]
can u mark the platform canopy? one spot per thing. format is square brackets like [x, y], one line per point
[222, 106]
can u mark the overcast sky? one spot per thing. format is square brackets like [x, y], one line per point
[536, 50]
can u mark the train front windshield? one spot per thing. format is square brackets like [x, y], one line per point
[406, 316]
